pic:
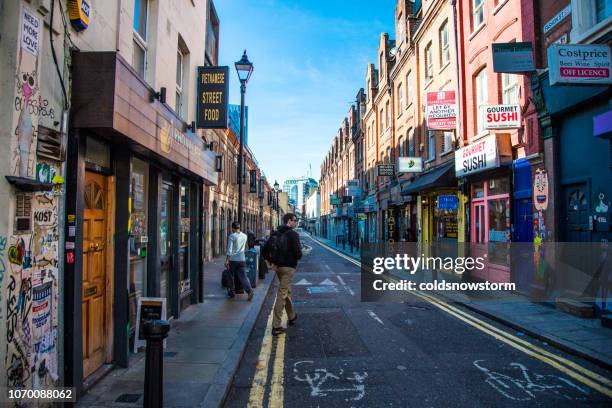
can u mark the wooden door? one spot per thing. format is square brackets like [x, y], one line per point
[577, 206]
[95, 247]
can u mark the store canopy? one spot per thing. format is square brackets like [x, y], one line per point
[442, 176]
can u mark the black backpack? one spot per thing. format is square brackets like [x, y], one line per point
[276, 248]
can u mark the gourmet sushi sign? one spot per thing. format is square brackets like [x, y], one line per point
[502, 116]
[477, 156]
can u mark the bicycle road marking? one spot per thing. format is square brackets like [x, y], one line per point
[320, 377]
[526, 347]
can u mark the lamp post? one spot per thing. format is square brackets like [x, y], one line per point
[244, 68]
[276, 190]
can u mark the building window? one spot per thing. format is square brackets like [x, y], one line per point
[480, 84]
[448, 141]
[510, 89]
[411, 143]
[400, 29]
[388, 114]
[408, 89]
[139, 56]
[431, 145]
[603, 9]
[400, 147]
[388, 155]
[477, 13]
[382, 70]
[382, 123]
[428, 63]
[400, 99]
[444, 44]
[179, 82]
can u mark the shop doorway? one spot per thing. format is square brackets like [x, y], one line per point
[97, 272]
[479, 223]
[523, 220]
[576, 201]
[166, 221]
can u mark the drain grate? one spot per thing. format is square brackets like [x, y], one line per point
[170, 353]
[131, 398]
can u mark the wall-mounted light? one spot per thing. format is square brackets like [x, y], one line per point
[191, 126]
[161, 95]
[210, 146]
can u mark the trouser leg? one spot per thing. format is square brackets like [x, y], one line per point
[240, 271]
[283, 296]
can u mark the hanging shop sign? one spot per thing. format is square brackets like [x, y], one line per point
[579, 64]
[213, 95]
[478, 156]
[441, 110]
[502, 116]
[386, 170]
[347, 199]
[540, 190]
[352, 188]
[30, 31]
[334, 200]
[448, 202]
[513, 57]
[79, 12]
[410, 164]
[252, 181]
[552, 23]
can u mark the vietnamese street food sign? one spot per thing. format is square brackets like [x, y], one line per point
[213, 96]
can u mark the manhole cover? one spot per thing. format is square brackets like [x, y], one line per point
[132, 398]
[170, 353]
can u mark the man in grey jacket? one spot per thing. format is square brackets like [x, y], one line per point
[236, 261]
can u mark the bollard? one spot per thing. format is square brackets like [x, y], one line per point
[155, 331]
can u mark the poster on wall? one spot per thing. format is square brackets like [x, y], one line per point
[540, 190]
[580, 64]
[30, 31]
[441, 110]
[149, 308]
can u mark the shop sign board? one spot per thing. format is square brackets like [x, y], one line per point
[385, 170]
[448, 202]
[552, 23]
[148, 308]
[352, 188]
[580, 64]
[477, 156]
[334, 200]
[502, 116]
[213, 97]
[513, 57]
[79, 12]
[441, 110]
[410, 164]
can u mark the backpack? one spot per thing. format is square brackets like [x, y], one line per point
[276, 248]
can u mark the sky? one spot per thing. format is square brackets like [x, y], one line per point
[309, 61]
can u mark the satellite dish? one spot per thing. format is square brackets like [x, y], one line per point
[393, 52]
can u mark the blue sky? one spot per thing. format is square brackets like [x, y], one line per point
[309, 60]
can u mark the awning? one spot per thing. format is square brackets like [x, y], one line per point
[441, 176]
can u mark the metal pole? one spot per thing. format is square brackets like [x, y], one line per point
[240, 153]
[155, 331]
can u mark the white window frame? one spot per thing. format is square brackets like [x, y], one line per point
[480, 82]
[180, 69]
[444, 44]
[510, 89]
[400, 30]
[142, 42]
[448, 141]
[400, 99]
[585, 28]
[400, 147]
[431, 147]
[478, 12]
[429, 62]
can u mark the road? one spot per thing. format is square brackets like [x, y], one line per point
[421, 353]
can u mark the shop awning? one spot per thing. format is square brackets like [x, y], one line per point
[442, 176]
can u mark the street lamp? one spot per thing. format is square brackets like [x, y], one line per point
[276, 190]
[244, 68]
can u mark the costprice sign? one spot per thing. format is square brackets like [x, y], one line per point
[213, 96]
[441, 110]
[579, 64]
[502, 116]
[478, 156]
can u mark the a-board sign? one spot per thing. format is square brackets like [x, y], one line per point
[149, 308]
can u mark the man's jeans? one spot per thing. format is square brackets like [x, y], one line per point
[238, 269]
[283, 296]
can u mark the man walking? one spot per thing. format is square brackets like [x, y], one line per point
[236, 261]
[283, 250]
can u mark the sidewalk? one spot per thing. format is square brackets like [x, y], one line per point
[586, 338]
[203, 351]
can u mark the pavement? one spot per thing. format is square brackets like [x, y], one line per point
[418, 353]
[203, 351]
[586, 338]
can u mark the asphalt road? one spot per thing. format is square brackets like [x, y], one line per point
[346, 353]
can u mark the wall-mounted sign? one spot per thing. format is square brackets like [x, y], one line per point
[558, 18]
[352, 188]
[448, 202]
[213, 96]
[79, 12]
[441, 110]
[334, 200]
[148, 308]
[44, 217]
[478, 156]
[540, 190]
[30, 31]
[410, 164]
[386, 170]
[579, 64]
[502, 116]
[252, 181]
[513, 57]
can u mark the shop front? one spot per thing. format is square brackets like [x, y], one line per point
[370, 208]
[134, 202]
[485, 165]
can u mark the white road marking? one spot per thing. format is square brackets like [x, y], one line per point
[328, 282]
[373, 316]
[341, 280]
[349, 290]
[303, 282]
[317, 378]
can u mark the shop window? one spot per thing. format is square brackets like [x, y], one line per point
[97, 152]
[478, 190]
[603, 10]
[480, 85]
[448, 141]
[499, 186]
[431, 144]
[139, 57]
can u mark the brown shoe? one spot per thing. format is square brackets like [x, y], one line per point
[291, 322]
[278, 330]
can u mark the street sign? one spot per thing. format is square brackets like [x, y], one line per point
[513, 57]
[580, 64]
[441, 110]
[410, 165]
[557, 19]
[386, 170]
[352, 188]
[448, 202]
[502, 116]
[213, 96]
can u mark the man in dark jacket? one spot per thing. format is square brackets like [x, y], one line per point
[285, 270]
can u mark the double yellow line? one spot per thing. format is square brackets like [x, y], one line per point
[568, 367]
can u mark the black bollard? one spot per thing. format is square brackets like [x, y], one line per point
[155, 331]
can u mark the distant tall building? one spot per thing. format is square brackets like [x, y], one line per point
[299, 189]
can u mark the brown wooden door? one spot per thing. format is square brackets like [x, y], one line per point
[95, 244]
